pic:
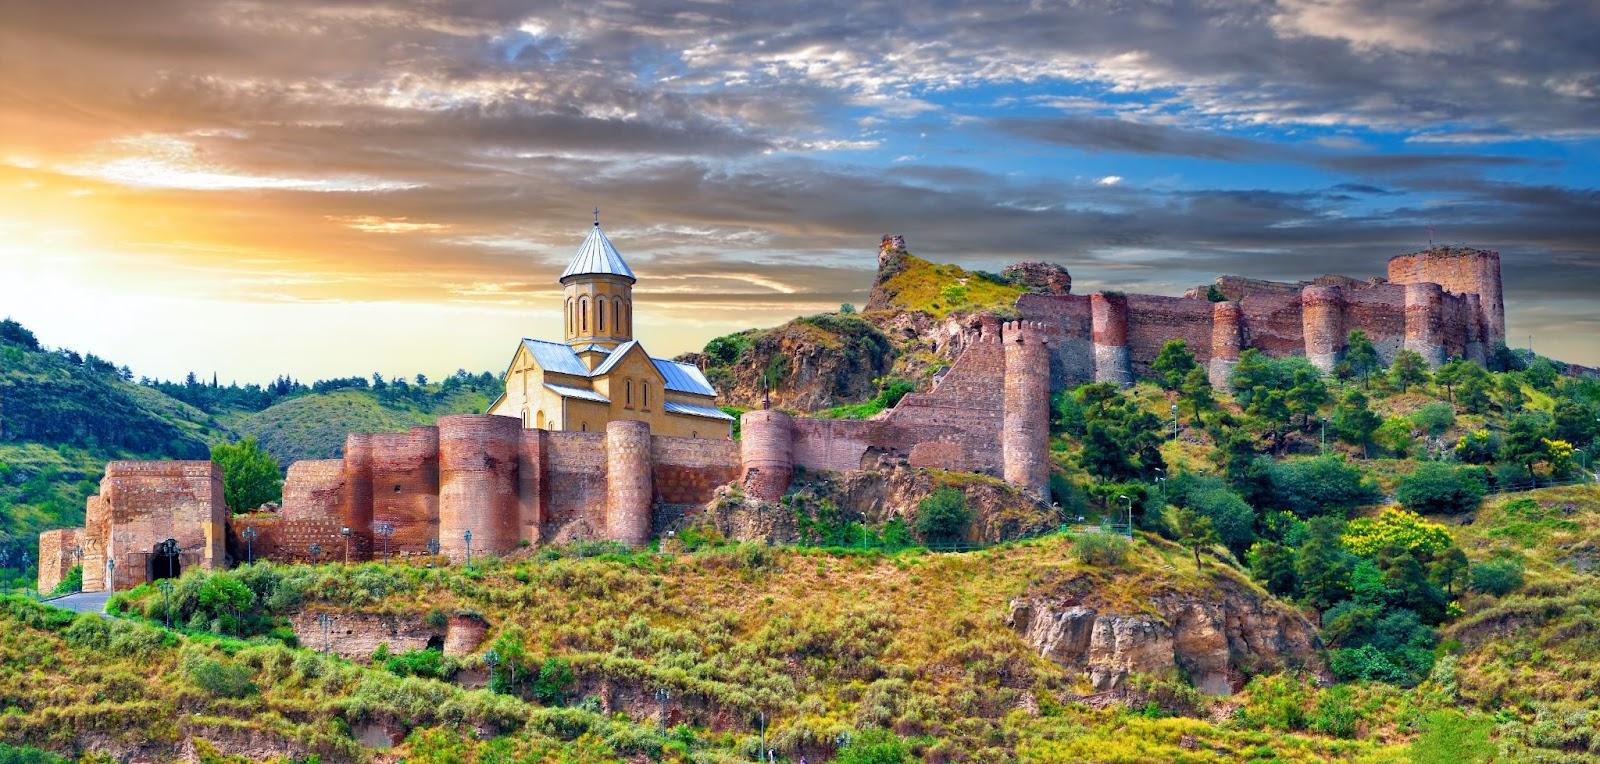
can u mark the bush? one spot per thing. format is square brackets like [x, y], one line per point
[942, 517]
[1498, 577]
[555, 679]
[1335, 714]
[1434, 418]
[1436, 488]
[226, 680]
[1312, 487]
[250, 476]
[26, 754]
[874, 746]
[425, 663]
[1101, 549]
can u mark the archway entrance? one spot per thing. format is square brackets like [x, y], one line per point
[164, 561]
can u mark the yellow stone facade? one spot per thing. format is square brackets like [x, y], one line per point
[600, 373]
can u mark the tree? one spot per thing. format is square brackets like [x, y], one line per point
[1173, 363]
[1498, 577]
[1512, 398]
[1272, 564]
[1396, 530]
[17, 334]
[1321, 485]
[1353, 421]
[1394, 436]
[1574, 422]
[1307, 394]
[1437, 488]
[250, 476]
[1408, 369]
[1197, 391]
[1525, 441]
[1474, 389]
[1450, 374]
[1434, 418]
[1194, 531]
[422, 379]
[1361, 356]
[1449, 570]
[942, 516]
[847, 309]
[1323, 566]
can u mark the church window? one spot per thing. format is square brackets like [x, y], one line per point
[647, 396]
[540, 420]
[583, 312]
[694, 433]
[627, 393]
[569, 316]
[616, 316]
[584, 427]
[600, 307]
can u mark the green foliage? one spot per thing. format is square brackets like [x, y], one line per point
[1066, 414]
[555, 680]
[1394, 437]
[1121, 441]
[943, 516]
[1449, 737]
[1321, 485]
[1352, 421]
[1173, 364]
[1214, 294]
[1194, 530]
[223, 679]
[70, 583]
[1100, 549]
[1478, 447]
[1273, 565]
[1499, 576]
[1437, 488]
[1335, 713]
[423, 663]
[890, 391]
[874, 746]
[10, 754]
[728, 349]
[1322, 565]
[250, 476]
[1434, 418]
[1526, 440]
[1360, 356]
[847, 309]
[1408, 370]
[1231, 520]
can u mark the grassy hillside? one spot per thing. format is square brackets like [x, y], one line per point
[314, 426]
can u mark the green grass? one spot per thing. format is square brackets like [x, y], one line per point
[940, 289]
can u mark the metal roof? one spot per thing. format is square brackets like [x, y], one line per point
[596, 256]
[576, 392]
[684, 378]
[557, 357]
[615, 357]
[673, 407]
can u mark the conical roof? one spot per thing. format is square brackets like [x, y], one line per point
[596, 257]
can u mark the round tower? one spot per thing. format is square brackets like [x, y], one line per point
[1025, 436]
[478, 484]
[630, 487]
[1227, 340]
[1108, 318]
[766, 453]
[1425, 321]
[1322, 317]
[357, 500]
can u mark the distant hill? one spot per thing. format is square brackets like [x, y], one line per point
[64, 415]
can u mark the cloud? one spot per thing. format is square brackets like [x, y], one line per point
[1109, 180]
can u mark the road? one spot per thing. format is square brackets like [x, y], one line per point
[83, 602]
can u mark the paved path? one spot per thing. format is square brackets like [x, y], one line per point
[83, 602]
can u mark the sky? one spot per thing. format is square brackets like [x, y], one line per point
[323, 189]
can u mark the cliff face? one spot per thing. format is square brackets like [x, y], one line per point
[999, 511]
[1217, 638]
[809, 363]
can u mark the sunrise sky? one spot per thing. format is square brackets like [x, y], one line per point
[326, 189]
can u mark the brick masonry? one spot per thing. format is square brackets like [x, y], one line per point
[58, 553]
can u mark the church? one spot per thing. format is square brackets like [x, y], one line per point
[599, 372]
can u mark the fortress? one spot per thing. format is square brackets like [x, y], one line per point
[563, 456]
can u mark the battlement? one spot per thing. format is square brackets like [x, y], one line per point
[1025, 332]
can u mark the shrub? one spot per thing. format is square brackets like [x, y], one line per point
[555, 679]
[1335, 714]
[26, 754]
[942, 516]
[1101, 549]
[250, 476]
[1436, 488]
[424, 663]
[70, 583]
[1434, 418]
[226, 680]
[1498, 577]
[1396, 528]
[1312, 487]
[874, 746]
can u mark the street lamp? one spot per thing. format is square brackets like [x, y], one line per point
[490, 659]
[468, 537]
[1324, 436]
[316, 551]
[250, 545]
[1124, 497]
[662, 696]
[345, 532]
[325, 621]
[111, 575]
[166, 592]
[1174, 421]
[385, 530]
[1161, 486]
[433, 547]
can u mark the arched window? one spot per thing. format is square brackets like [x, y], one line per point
[569, 316]
[628, 308]
[583, 313]
[527, 419]
[616, 317]
[584, 427]
[694, 433]
[600, 306]
[646, 395]
[627, 393]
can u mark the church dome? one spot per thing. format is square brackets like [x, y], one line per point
[597, 257]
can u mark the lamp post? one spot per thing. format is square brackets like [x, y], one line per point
[316, 551]
[345, 532]
[1324, 436]
[325, 621]
[385, 530]
[467, 536]
[662, 696]
[77, 553]
[433, 547]
[250, 545]
[1174, 421]
[111, 575]
[1161, 486]
[168, 552]
[1124, 497]
[491, 659]
[166, 593]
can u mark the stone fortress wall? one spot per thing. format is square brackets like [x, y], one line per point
[988, 413]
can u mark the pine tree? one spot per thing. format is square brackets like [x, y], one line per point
[1361, 355]
[1173, 363]
[1408, 369]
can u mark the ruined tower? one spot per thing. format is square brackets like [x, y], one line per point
[1227, 339]
[1463, 271]
[629, 488]
[478, 484]
[1322, 316]
[1108, 316]
[1424, 322]
[1025, 435]
[766, 453]
[357, 500]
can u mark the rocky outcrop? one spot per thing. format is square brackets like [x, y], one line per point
[1040, 278]
[807, 364]
[1217, 638]
[999, 510]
